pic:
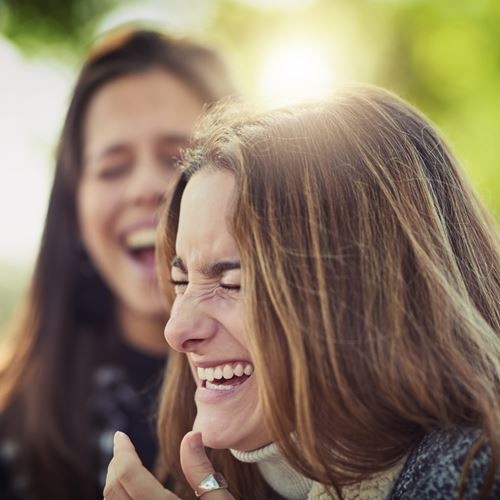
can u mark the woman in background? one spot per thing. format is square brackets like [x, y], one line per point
[89, 349]
[337, 301]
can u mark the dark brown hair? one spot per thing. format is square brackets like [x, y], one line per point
[69, 313]
[371, 281]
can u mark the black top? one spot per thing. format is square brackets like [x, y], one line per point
[124, 388]
[124, 398]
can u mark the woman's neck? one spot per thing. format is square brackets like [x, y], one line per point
[142, 332]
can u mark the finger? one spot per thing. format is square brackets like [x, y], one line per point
[196, 465]
[132, 476]
[113, 490]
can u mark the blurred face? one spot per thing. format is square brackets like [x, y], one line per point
[206, 320]
[133, 130]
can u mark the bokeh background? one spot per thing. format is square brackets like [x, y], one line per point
[441, 55]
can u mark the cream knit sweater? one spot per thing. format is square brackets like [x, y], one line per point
[293, 486]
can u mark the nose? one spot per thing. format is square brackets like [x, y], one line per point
[189, 327]
[147, 186]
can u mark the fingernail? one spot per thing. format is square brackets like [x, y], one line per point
[196, 443]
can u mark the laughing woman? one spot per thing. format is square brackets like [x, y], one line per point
[337, 301]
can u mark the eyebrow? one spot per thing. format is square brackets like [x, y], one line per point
[177, 140]
[174, 139]
[210, 270]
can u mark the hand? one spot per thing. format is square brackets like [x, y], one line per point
[128, 479]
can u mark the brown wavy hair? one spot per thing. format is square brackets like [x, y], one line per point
[371, 281]
[68, 318]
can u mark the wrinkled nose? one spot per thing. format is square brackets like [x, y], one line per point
[189, 326]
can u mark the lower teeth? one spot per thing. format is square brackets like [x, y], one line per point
[218, 387]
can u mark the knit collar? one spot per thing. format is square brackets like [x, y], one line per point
[292, 485]
[277, 472]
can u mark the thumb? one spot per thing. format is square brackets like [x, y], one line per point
[128, 478]
[196, 465]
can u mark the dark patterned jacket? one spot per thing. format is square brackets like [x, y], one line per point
[432, 470]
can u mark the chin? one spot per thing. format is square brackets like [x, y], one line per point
[215, 435]
[214, 442]
[221, 435]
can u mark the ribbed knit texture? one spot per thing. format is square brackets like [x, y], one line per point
[277, 472]
[290, 484]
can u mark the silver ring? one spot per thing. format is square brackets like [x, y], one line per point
[212, 482]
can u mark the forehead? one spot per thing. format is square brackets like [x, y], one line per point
[153, 102]
[204, 233]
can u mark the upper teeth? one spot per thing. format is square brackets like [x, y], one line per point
[141, 238]
[224, 371]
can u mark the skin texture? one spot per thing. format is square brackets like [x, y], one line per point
[133, 131]
[206, 320]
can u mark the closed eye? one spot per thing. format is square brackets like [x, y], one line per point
[227, 286]
[114, 171]
[179, 286]
[230, 290]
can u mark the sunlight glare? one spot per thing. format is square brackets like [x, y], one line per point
[280, 4]
[296, 72]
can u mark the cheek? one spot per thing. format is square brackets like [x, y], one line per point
[96, 206]
[231, 316]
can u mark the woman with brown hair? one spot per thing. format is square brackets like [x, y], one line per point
[337, 295]
[89, 351]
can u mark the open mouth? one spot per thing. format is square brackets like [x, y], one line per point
[140, 245]
[224, 377]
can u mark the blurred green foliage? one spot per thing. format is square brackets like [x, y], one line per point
[441, 55]
[13, 284]
[53, 26]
